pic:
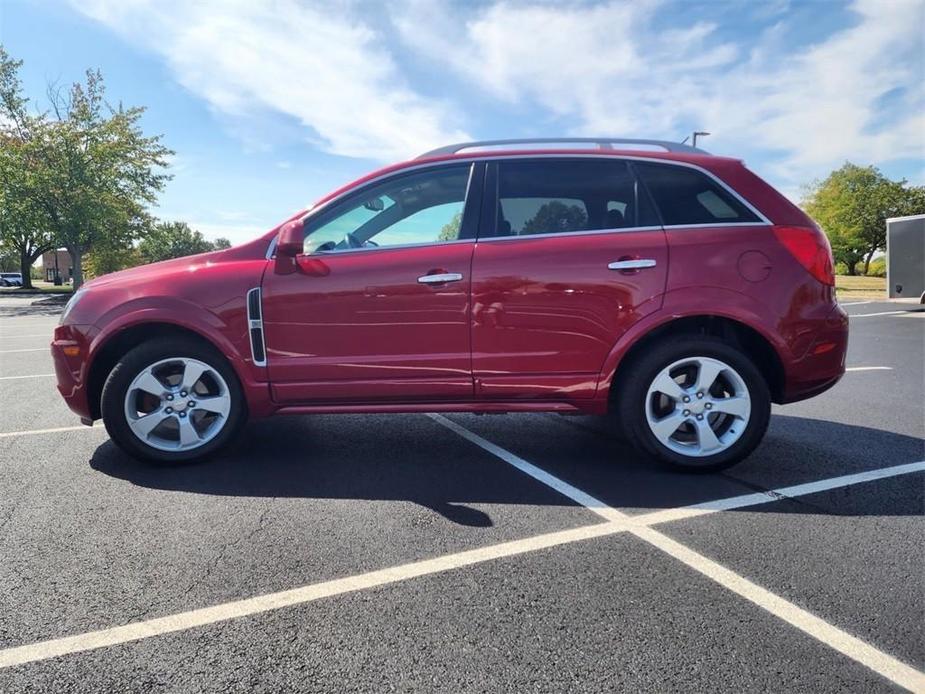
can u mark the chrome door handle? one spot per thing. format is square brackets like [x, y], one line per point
[636, 264]
[440, 279]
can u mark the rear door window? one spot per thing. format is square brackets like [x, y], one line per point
[685, 196]
[546, 196]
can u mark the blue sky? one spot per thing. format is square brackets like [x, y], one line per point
[269, 105]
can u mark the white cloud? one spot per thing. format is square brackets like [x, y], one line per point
[614, 68]
[601, 63]
[607, 68]
[321, 66]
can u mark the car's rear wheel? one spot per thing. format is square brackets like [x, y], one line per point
[695, 403]
[172, 400]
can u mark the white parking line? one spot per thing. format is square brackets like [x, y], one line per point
[882, 663]
[34, 349]
[297, 596]
[30, 432]
[886, 665]
[855, 303]
[540, 475]
[15, 378]
[882, 313]
[758, 498]
[869, 368]
[23, 337]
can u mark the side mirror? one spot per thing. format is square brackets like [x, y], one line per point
[290, 240]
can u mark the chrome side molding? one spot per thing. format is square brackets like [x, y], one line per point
[255, 326]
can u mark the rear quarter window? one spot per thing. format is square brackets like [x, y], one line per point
[685, 196]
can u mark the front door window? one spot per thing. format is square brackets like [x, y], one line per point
[416, 209]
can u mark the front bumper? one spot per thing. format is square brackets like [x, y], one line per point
[69, 352]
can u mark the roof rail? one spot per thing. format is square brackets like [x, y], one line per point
[601, 142]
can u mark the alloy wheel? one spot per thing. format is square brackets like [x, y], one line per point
[698, 406]
[177, 404]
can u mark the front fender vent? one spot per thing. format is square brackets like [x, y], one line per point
[255, 327]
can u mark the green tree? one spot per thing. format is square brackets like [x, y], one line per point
[852, 205]
[91, 171]
[450, 230]
[556, 216]
[172, 240]
[24, 231]
[221, 243]
[102, 260]
[9, 261]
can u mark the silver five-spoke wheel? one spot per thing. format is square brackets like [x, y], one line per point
[698, 406]
[177, 404]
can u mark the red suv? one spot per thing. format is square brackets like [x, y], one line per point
[644, 278]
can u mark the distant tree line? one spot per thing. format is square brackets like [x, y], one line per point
[80, 175]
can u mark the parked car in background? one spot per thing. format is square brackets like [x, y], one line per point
[674, 289]
[10, 279]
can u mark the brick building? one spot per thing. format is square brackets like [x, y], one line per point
[64, 265]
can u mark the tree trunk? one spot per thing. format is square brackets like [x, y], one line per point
[77, 267]
[25, 268]
[867, 260]
[851, 266]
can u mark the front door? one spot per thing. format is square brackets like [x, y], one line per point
[571, 256]
[379, 306]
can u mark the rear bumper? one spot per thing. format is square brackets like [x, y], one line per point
[69, 351]
[823, 363]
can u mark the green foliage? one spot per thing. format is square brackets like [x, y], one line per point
[221, 243]
[877, 267]
[556, 216]
[9, 260]
[87, 169]
[172, 240]
[852, 206]
[102, 260]
[24, 233]
[450, 230]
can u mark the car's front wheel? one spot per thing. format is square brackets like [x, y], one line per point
[695, 403]
[172, 400]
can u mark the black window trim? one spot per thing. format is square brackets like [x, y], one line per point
[762, 219]
[487, 227]
[471, 206]
[490, 200]
[483, 169]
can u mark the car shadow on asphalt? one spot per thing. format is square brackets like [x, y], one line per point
[409, 458]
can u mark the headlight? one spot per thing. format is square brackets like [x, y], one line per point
[71, 303]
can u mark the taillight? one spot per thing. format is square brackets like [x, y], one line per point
[811, 249]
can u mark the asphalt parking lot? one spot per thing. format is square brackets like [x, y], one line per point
[465, 553]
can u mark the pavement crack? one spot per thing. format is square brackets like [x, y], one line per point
[774, 495]
[227, 547]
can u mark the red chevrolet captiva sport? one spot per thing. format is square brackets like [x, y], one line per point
[649, 279]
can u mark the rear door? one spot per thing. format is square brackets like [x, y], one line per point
[570, 255]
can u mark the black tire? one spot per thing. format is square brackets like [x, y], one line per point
[633, 389]
[143, 356]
